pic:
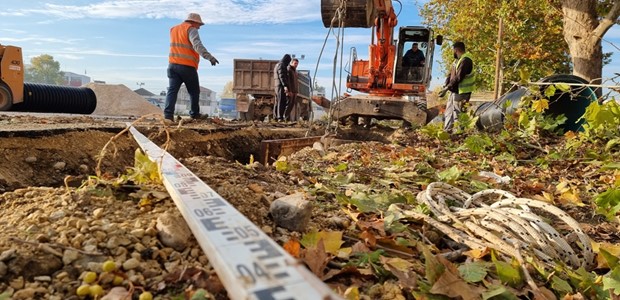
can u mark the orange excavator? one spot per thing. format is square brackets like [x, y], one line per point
[390, 86]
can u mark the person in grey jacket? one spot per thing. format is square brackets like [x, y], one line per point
[281, 84]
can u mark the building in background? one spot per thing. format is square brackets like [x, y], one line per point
[157, 100]
[207, 102]
[73, 79]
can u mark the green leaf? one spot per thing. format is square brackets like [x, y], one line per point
[498, 293]
[550, 91]
[560, 285]
[507, 273]
[562, 87]
[282, 166]
[341, 167]
[450, 175]
[612, 143]
[608, 202]
[201, 294]
[473, 272]
[612, 281]
[612, 260]
[433, 267]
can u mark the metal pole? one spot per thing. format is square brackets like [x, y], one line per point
[498, 59]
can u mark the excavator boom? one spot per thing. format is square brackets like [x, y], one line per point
[388, 77]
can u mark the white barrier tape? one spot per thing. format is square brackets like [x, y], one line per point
[249, 263]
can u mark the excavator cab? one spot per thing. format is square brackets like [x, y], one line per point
[414, 56]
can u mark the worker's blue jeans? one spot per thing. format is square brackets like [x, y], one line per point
[177, 75]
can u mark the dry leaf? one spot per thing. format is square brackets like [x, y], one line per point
[317, 259]
[369, 239]
[450, 283]
[256, 188]
[292, 247]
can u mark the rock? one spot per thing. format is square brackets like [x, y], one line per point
[8, 254]
[173, 231]
[17, 283]
[30, 159]
[98, 212]
[70, 256]
[60, 165]
[83, 169]
[139, 233]
[24, 294]
[131, 264]
[292, 212]
[43, 278]
[32, 265]
[3, 269]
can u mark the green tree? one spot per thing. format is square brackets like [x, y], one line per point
[532, 41]
[44, 69]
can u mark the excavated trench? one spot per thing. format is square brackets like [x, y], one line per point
[47, 157]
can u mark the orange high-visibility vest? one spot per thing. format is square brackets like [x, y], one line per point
[181, 50]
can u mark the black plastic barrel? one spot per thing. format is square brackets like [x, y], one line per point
[571, 104]
[57, 99]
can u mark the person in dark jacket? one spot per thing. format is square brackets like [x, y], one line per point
[281, 84]
[460, 84]
[293, 89]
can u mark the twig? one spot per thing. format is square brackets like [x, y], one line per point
[47, 247]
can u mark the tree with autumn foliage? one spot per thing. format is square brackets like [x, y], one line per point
[536, 34]
[532, 36]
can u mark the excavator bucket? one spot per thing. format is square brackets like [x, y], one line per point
[356, 13]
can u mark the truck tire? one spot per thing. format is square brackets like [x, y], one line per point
[6, 97]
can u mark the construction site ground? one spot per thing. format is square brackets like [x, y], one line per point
[57, 226]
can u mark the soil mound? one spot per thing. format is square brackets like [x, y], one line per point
[119, 100]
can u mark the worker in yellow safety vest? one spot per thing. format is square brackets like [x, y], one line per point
[460, 84]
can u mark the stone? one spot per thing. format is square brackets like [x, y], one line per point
[173, 231]
[60, 165]
[30, 159]
[98, 212]
[8, 254]
[131, 264]
[292, 212]
[3, 269]
[27, 293]
[70, 256]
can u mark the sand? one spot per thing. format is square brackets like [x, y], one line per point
[119, 100]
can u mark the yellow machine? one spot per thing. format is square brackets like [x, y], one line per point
[17, 95]
[11, 76]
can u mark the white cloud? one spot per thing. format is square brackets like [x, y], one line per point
[212, 11]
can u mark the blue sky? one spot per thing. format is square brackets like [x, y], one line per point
[126, 41]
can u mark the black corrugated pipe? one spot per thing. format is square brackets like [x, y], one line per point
[57, 99]
[572, 104]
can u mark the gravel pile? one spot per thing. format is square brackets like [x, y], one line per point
[119, 100]
[53, 238]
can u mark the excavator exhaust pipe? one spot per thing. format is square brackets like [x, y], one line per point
[356, 13]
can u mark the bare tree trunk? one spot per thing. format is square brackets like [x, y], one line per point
[583, 32]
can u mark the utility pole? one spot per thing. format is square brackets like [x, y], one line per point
[498, 59]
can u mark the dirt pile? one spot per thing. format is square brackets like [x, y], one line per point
[119, 100]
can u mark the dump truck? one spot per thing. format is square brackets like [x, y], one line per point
[254, 90]
[17, 95]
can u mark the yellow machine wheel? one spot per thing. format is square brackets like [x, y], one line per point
[6, 97]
